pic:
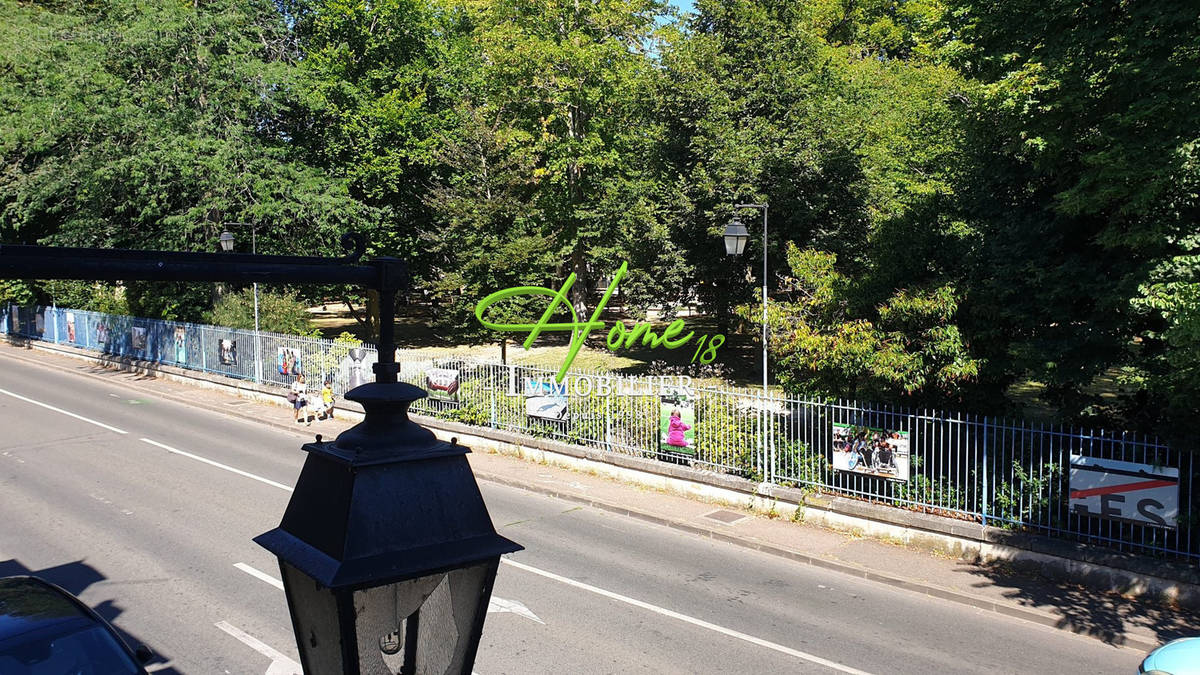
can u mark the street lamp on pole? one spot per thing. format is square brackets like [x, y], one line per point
[736, 237]
[227, 246]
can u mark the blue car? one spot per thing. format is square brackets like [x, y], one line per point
[1178, 657]
[45, 630]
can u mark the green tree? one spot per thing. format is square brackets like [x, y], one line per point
[908, 346]
[135, 125]
[277, 312]
[854, 143]
[568, 81]
[1083, 141]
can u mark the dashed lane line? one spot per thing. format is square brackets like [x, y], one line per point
[47, 406]
[259, 574]
[219, 465]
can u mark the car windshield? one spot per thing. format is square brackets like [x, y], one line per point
[90, 650]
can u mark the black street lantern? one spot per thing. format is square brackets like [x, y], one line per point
[226, 240]
[387, 551]
[736, 237]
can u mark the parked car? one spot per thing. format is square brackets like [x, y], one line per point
[1178, 657]
[45, 630]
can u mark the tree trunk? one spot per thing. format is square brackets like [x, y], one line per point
[581, 291]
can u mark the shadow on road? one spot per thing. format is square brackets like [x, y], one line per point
[75, 578]
[1106, 616]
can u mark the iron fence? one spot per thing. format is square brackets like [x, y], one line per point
[1006, 473]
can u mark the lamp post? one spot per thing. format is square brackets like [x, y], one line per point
[386, 549]
[736, 237]
[227, 246]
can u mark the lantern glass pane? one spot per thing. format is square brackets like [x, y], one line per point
[444, 606]
[315, 613]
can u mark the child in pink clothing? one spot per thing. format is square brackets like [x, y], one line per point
[675, 430]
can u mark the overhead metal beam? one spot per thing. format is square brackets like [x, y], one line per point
[386, 275]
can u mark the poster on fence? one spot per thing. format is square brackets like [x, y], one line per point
[355, 368]
[39, 322]
[442, 383]
[70, 326]
[227, 352]
[871, 451]
[545, 399]
[677, 421]
[180, 345]
[287, 361]
[102, 333]
[1137, 493]
[137, 337]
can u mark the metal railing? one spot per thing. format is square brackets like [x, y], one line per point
[1005, 473]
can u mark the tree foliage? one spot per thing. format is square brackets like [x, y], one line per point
[135, 125]
[907, 345]
[1083, 186]
[963, 195]
[277, 312]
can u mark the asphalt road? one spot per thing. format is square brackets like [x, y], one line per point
[146, 509]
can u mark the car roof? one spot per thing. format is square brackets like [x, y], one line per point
[1177, 656]
[28, 604]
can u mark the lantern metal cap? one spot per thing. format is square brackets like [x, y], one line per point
[386, 434]
[385, 502]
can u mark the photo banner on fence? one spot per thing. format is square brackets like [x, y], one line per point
[871, 451]
[288, 362]
[545, 399]
[355, 368]
[227, 352]
[677, 421]
[180, 345]
[1137, 493]
[442, 384]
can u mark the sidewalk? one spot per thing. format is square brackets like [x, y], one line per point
[1108, 617]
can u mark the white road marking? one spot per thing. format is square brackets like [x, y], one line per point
[687, 619]
[281, 664]
[259, 574]
[47, 406]
[495, 605]
[219, 465]
[499, 605]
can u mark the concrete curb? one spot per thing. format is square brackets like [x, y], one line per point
[1035, 616]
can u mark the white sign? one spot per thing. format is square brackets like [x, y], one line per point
[1141, 493]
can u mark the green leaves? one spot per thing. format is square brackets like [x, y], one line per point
[907, 346]
[978, 193]
[277, 312]
[152, 126]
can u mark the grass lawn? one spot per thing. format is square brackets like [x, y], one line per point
[738, 361]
